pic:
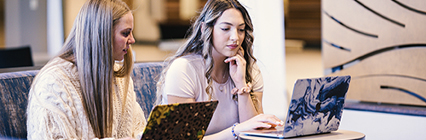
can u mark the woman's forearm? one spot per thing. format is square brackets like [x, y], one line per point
[246, 107]
[225, 134]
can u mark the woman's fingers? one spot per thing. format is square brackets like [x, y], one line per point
[231, 59]
[241, 51]
[237, 58]
[264, 125]
[251, 125]
[234, 91]
[236, 61]
[270, 119]
[259, 121]
[237, 69]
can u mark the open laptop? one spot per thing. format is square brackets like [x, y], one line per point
[179, 121]
[316, 107]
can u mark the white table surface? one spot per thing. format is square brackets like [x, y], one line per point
[335, 135]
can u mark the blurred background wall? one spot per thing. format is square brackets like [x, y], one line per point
[156, 21]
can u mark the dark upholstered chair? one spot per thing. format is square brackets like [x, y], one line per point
[16, 57]
[14, 88]
[145, 77]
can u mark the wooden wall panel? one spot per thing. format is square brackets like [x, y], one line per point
[353, 15]
[402, 69]
[381, 44]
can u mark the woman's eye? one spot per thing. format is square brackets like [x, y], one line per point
[242, 30]
[125, 34]
[225, 29]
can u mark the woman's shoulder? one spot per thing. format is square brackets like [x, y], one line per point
[55, 72]
[255, 68]
[189, 60]
[58, 65]
[55, 83]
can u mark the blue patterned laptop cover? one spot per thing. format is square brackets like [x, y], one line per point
[316, 107]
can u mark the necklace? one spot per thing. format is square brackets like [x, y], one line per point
[223, 80]
[222, 84]
[221, 87]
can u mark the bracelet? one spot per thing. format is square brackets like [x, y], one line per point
[233, 132]
[244, 90]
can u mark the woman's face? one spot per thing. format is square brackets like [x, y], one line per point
[123, 36]
[228, 33]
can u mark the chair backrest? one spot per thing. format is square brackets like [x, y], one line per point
[15, 86]
[16, 57]
[145, 77]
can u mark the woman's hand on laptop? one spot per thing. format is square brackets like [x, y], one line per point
[258, 122]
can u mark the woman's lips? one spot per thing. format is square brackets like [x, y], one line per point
[233, 46]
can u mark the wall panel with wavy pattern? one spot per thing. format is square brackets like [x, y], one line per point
[381, 44]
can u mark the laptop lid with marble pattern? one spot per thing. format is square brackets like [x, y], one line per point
[316, 107]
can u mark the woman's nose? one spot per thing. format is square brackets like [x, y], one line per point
[131, 40]
[234, 35]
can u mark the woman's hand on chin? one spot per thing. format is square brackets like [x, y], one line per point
[237, 68]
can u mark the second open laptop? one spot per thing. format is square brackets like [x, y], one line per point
[316, 107]
[179, 121]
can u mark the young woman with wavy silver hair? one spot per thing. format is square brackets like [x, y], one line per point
[217, 63]
[84, 93]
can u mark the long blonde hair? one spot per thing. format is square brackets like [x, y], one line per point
[90, 47]
[200, 42]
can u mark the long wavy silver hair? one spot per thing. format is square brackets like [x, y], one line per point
[200, 42]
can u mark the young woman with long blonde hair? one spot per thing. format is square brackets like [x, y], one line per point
[83, 93]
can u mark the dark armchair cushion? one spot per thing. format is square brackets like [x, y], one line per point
[14, 88]
[145, 77]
